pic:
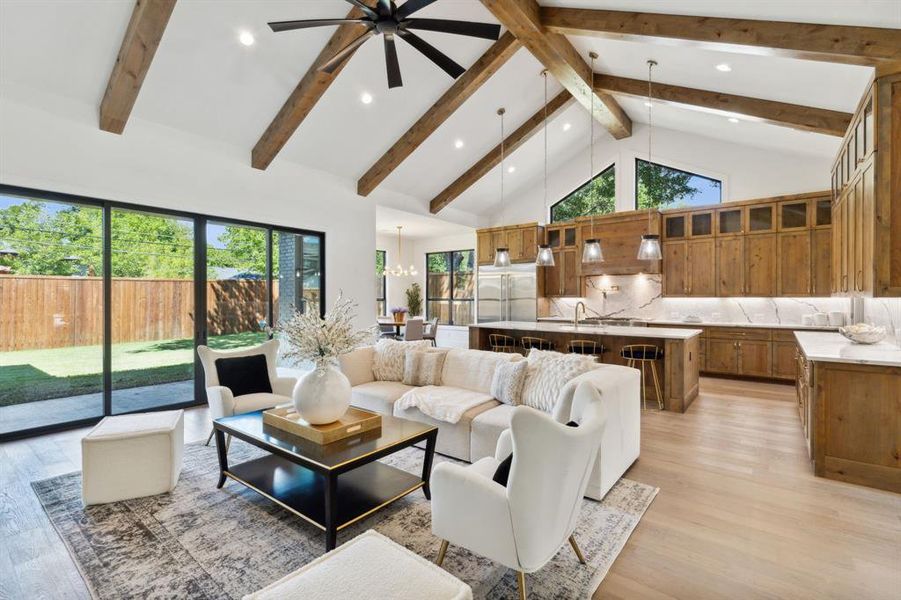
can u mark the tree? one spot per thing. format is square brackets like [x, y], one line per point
[662, 187]
[596, 197]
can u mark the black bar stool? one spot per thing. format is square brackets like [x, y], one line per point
[642, 354]
[501, 343]
[538, 343]
[588, 347]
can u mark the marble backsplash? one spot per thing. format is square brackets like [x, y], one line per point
[641, 297]
[885, 312]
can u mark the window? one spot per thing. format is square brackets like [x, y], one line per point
[450, 286]
[596, 197]
[659, 186]
[380, 308]
[109, 301]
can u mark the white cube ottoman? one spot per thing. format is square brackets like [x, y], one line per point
[368, 566]
[130, 456]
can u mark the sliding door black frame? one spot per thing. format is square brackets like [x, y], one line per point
[199, 221]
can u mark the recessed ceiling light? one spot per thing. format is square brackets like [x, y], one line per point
[366, 98]
[246, 38]
[733, 120]
[458, 144]
[648, 104]
[723, 67]
[567, 126]
[510, 169]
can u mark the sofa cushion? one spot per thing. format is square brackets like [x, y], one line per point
[244, 374]
[473, 369]
[388, 361]
[423, 367]
[548, 372]
[357, 365]
[487, 428]
[378, 396]
[508, 381]
[443, 403]
[453, 438]
[251, 402]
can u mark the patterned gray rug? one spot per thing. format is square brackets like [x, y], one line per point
[200, 542]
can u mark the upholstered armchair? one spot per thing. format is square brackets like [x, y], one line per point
[523, 525]
[223, 402]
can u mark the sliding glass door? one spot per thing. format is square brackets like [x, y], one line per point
[152, 310]
[51, 312]
[103, 304]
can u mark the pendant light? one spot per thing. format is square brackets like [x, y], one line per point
[545, 256]
[650, 243]
[591, 251]
[399, 271]
[502, 255]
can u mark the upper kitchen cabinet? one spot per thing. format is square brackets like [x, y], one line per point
[866, 178]
[620, 235]
[520, 240]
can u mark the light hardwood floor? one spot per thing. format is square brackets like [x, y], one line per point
[739, 514]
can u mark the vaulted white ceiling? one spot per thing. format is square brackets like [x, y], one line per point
[205, 82]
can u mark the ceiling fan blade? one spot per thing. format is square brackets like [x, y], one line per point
[363, 7]
[385, 8]
[345, 53]
[391, 64]
[291, 25]
[488, 31]
[411, 6]
[432, 53]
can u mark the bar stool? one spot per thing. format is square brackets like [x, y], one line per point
[641, 354]
[588, 347]
[501, 343]
[528, 342]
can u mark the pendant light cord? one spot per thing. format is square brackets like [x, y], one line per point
[501, 112]
[593, 56]
[651, 65]
[544, 74]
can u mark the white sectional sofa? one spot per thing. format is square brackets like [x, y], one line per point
[475, 435]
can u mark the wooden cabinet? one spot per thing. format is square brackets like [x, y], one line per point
[760, 264]
[722, 356]
[701, 268]
[675, 268]
[821, 260]
[755, 358]
[785, 360]
[563, 278]
[794, 274]
[620, 235]
[520, 240]
[730, 266]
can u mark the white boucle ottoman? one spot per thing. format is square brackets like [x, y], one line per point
[130, 456]
[368, 566]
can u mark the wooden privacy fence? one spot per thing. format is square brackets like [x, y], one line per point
[39, 312]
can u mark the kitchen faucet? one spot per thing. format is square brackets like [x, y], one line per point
[576, 313]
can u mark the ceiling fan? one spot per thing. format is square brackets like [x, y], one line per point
[390, 20]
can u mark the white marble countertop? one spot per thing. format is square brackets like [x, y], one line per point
[615, 330]
[656, 322]
[820, 346]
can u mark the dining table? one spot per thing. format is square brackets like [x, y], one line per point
[396, 324]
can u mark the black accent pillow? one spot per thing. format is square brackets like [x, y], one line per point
[502, 474]
[244, 374]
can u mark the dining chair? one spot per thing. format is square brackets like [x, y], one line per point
[413, 330]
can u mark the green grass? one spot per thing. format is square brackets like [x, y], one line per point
[30, 375]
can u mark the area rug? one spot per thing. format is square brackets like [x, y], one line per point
[202, 542]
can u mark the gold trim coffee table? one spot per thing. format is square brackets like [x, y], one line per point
[331, 486]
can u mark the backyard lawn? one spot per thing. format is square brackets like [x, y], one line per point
[30, 375]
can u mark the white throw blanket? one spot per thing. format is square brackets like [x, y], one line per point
[442, 403]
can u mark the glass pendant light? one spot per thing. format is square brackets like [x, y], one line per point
[650, 243]
[545, 256]
[502, 255]
[591, 251]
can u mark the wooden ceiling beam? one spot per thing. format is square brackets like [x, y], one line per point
[561, 60]
[830, 43]
[309, 90]
[464, 87]
[511, 143]
[807, 118]
[142, 37]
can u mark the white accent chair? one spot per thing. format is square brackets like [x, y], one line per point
[220, 398]
[523, 525]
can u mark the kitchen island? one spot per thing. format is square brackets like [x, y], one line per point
[677, 370]
[849, 398]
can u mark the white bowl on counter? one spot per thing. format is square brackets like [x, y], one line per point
[863, 333]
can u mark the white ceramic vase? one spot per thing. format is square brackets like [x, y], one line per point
[322, 395]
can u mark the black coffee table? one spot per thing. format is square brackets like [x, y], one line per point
[333, 485]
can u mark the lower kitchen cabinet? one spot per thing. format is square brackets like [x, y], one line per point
[755, 358]
[785, 360]
[722, 356]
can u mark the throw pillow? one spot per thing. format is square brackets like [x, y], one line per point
[389, 357]
[509, 377]
[423, 367]
[244, 374]
[548, 372]
[502, 473]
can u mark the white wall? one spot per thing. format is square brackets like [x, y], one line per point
[51, 143]
[746, 172]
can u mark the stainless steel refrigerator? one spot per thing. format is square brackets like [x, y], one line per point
[508, 293]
